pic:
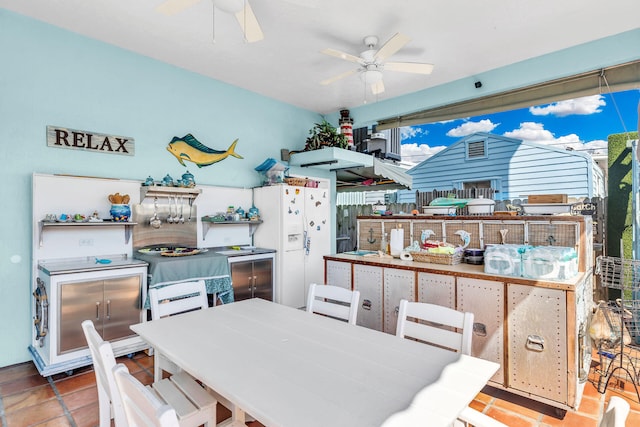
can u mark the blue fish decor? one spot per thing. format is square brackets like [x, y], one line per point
[190, 149]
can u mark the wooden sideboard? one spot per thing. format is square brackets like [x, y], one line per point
[535, 329]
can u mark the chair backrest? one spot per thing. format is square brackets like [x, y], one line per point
[177, 298]
[141, 407]
[333, 301]
[438, 329]
[103, 363]
[616, 413]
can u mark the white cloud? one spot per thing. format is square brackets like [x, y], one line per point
[408, 132]
[468, 128]
[414, 153]
[581, 106]
[535, 132]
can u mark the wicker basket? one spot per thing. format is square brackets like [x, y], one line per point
[424, 256]
[300, 182]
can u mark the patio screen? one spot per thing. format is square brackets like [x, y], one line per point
[610, 79]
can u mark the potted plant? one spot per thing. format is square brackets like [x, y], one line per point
[325, 135]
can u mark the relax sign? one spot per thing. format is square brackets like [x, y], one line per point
[89, 141]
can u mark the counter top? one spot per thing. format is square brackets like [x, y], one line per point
[462, 270]
[90, 263]
[229, 251]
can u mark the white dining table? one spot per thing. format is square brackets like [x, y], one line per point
[290, 368]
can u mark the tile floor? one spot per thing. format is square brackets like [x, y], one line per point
[28, 399]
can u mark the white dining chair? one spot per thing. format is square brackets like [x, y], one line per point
[141, 407]
[171, 300]
[616, 413]
[333, 301]
[447, 328]
[435, 325]
[193, 405]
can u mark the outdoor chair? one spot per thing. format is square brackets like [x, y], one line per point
[333, 301]
[171, 300]
[193, 405]
[447, 328]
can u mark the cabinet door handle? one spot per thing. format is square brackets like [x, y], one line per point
[97, 310]
[366, 304]
[535, 343]
[396, 310]
[108, 309]
[480, 329]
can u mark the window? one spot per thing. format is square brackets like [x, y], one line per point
[476, 150]
[476, 184]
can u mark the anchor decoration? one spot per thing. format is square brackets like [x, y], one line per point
[371, 239]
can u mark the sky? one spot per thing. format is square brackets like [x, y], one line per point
[582, 124]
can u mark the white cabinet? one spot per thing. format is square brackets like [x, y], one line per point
[339, 274]
[537, 319]
[437, 289]
[368, 280]
[398, 284]
[485, 299]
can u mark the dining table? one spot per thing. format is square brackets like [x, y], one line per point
[287, 367]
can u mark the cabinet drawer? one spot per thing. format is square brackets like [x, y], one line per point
[437, 289]
[368, 280]
[537, 319]
[485, 299]
[339, 274]
[398, 284]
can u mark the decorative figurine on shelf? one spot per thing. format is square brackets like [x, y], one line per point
[120, 210]
[167, 181]
[188, 180]
[254, 214]
[148, 182]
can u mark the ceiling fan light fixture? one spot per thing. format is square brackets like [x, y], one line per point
[370, 77]
[229, 6]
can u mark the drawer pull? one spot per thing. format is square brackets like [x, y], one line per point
[535, 343]
[396, 310]
[480, 329]
[366, 304]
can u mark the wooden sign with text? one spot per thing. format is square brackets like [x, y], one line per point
[74, 139]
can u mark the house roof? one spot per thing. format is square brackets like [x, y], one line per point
[477, 136]
[462, 41]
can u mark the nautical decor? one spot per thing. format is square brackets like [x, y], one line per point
[190, 149]
[74, 139]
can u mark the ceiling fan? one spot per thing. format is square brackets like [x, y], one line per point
[241, 9]
[372, 62]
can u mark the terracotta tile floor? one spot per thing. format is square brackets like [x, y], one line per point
[28, 399]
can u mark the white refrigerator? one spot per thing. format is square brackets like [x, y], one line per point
[297, 223]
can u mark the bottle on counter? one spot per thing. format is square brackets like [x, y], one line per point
[384, 244]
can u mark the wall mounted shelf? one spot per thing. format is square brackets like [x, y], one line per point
[208, 222]
[43, 225]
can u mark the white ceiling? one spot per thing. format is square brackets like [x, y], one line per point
[462, 38]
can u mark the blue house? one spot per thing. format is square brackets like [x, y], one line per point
[512, 167]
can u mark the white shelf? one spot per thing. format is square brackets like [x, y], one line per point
[43, 225]
[207, 223]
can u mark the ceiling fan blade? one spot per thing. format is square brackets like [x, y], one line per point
[377, 87]
[342, 55]
[392, 45]
[172, 7]
[249, 24]
[338, 77]
[409, 67]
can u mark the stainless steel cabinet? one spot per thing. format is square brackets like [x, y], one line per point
[112, 304]
[252, 278]
[398, 284]
[368, 280]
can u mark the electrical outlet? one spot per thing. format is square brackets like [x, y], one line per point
[85, 242]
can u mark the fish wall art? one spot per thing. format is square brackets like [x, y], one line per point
[188, 148]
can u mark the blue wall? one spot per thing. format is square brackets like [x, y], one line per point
[50, 76]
